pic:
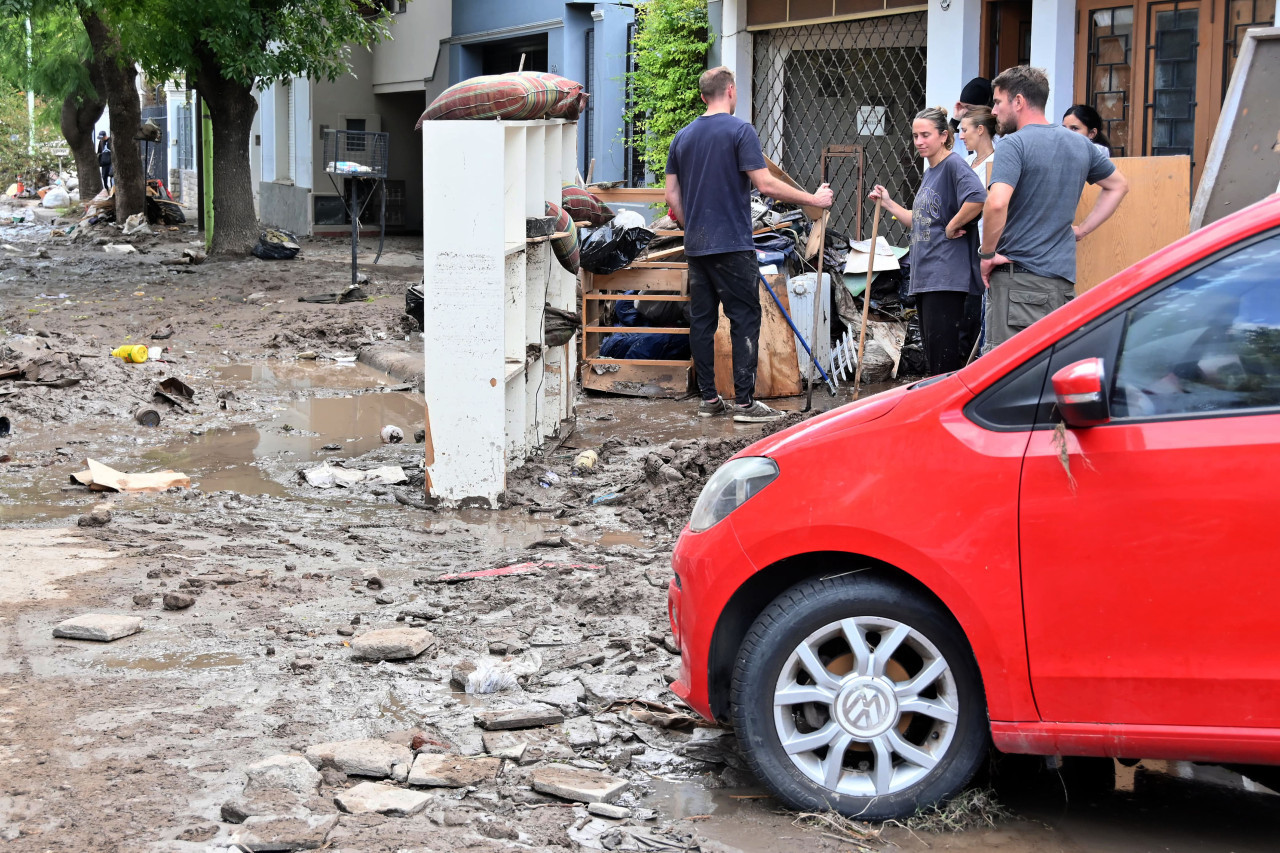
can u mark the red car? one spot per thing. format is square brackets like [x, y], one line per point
[1069, 547]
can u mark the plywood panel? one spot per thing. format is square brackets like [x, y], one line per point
[1154, 214]
[778, 372]
[644, 379]
[666, 278]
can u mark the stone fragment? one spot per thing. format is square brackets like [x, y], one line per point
[519, 718]
[267, 802]
[265, 833]
[143, 600]
[581, 786]
[392, 644]
[379, 798]
[384, 598]
[102, 627]
[399, 772]
[177, 601]
[288, 772]
[359, 757]
[346, 631]
[97, 518]
[610, 811]
[581, 732]
[302, 664]
[372, 579]
[505, 745]
[452, 771]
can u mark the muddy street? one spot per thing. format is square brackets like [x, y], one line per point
[311, 657]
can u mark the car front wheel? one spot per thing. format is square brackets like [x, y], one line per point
[853, 694]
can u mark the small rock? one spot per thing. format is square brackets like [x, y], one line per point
[143, 600]
[302, 665]
[101, 627]
[375, 797]
[581, 786]
[499, 648]
[581, 732]
[372, 579]
[452, 771]
[391, 434]
[610, 811]
[399, 772]
[290, 772]
[459, 674]
[263, 833]
[333, 777]
[670, 474]
[419, 436]
[177, 601]
[392, 644]
[346, 631]
[519, 718]
[368, 757]
[97, 518]
[384, 598]
[669, 643]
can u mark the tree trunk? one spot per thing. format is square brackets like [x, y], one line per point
[80, 112]
[119, 78]
[231, 107]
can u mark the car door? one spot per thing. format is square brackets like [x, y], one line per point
[1150, 545]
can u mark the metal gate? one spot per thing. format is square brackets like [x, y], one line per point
[854, 82]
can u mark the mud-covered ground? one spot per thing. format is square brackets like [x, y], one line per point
[154, 741]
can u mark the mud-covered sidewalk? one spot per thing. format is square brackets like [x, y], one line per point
[334, 664]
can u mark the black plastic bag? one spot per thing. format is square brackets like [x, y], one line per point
[609, 248]
[912, 362]
[275, 245]
[414, 304]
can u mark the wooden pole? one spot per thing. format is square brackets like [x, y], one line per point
[866, 300]
[817, 307]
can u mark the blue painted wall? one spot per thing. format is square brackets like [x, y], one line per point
[565, 24]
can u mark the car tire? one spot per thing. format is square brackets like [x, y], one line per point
[901, 702]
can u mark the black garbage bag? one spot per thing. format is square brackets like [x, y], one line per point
[904, 289]
[274, 245]
[610, 247]
[912, 362]
[414, 303]
[162, 211]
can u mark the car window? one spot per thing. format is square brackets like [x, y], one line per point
[1208, 343]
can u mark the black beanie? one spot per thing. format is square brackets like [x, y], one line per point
[977, 92]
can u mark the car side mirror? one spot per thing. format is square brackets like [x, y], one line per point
[1080, 390]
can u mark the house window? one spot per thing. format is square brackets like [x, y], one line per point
[1173, 55]
[1110, 71]
[1241, 15]
[353, 142]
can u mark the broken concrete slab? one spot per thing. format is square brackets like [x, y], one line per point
[271, 802]
[505, 745]
[528, 717]
[368, 757]
[581, 732]
[100, 627]
[610, 811]
[287, 772]
[452, 771]
[263, 834]
[581, 786]
[392, 644]
[379, 798]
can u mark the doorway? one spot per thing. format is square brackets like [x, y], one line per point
[1006, 36]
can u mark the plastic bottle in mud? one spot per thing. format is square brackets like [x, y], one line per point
[131, 353]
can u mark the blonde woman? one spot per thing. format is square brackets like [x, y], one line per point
[978, 133]
[944, 248]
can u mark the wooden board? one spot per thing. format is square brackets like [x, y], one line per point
[1243, 165]
[636, 195]
[670, 278]
[639, 380]
[778, 372]
[1155, 213]
[776, 171]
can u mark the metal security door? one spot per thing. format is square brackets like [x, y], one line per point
[853, 82]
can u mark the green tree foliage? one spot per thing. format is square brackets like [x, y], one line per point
[672, 39]
[15, 159]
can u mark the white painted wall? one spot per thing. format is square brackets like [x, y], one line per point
[401, 63]
[735, 52]
[1053, 48]
[954, 45]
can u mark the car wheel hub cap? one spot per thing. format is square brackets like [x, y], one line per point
[866, 707]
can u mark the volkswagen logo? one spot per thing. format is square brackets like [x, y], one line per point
[866, 707]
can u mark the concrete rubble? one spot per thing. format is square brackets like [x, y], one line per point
[100, 627]
[392, 644]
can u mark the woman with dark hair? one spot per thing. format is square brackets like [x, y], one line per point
[944, 245]
[1084, 120]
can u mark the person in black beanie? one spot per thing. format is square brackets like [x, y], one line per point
[976, 93]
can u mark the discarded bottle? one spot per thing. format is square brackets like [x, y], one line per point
[585, 462]
[549, 479]
[131, 353]
[147, 416]
[392, 434]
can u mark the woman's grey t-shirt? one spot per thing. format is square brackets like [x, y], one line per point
[1047, 166]
[936, 262]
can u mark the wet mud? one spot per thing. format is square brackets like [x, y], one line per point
[145, 743]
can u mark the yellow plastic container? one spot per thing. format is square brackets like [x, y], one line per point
[134, 353]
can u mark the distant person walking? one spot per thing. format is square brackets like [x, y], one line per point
[1029, 244]
[944, 246]
[104, 158]
[711, 167]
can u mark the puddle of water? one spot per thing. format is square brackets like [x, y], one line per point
[302, 374]
[223, 459]
[624, 537]
[176, 661]
[677, 800]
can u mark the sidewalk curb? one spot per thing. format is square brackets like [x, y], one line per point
[398, 363]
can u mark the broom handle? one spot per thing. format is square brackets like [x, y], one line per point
[817, 306]
[866, 299]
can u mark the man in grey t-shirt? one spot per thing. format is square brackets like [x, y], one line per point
[1028, 250]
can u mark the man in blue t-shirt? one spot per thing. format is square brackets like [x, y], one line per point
[712, 165]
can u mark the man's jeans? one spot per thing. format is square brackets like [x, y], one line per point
[727, 279]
